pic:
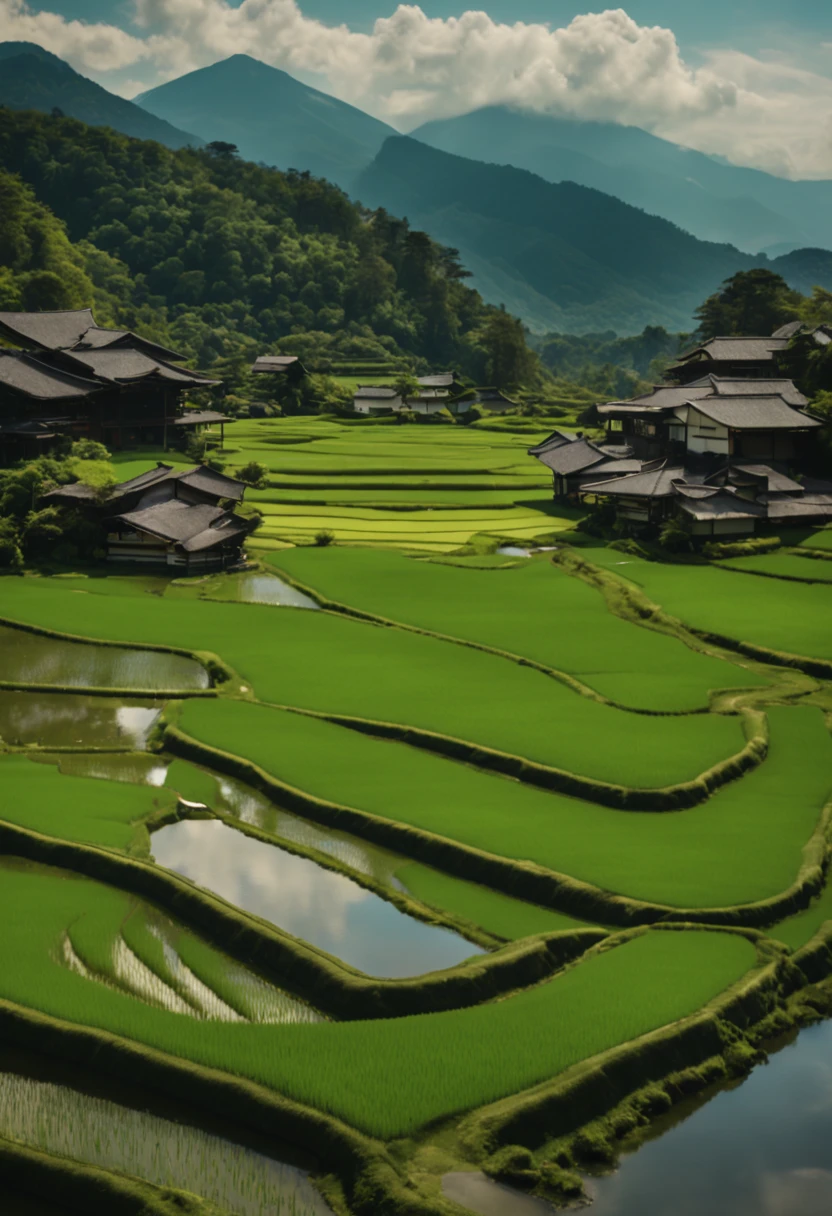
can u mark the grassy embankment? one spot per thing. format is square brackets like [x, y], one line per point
[535, 610]
[389, 1077]
[328, 663]
[783, 565]
[685, 859]
[781, 616]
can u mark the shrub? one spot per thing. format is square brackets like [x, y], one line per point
[324, 538]
[513, 1165]
[592, 1144]
[561, 1184]
[675, 535]
[88, 449]
[254, 474]
[742, 548]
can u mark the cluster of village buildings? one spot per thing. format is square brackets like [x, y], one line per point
[724, 444]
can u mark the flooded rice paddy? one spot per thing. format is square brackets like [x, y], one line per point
[31, 658]
[95, 1130]
[325, 908]
[73, 720]
[254, 588]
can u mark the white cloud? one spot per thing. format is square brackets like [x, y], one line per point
[411, 68]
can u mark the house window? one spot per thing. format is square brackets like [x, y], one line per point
[646, 429]
[616, 424]
[676, 432]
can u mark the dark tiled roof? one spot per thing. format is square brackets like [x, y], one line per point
[25, 374]
[48, 330]
[737, 350]
[438, 380]
[611, 468]
[173, 520]
[720, 506]
[776, 482]
[726, 386]
[810, 506]
[98, 338]
[788, 330]
[754, 413]
[377, 392]
[567, 458]
[77, 492]
[201, 417]
[656, 482]
[555, 440]
[144, 480]
[216, 534]
[122, 365]
[211, 482]
[275, 363]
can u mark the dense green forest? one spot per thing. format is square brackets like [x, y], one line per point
[224, 259]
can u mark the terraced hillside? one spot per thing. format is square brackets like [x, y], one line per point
[401, 853]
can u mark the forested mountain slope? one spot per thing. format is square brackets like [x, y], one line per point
[34, 79]
[714, 200]
[562, 256]
[271, 117]
[222, 258]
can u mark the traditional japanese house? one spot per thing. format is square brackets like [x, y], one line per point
[747, 358]
[375, 399]
[288, 366]
[123, 390]
[493, 401]
[573, 460]
[642, 497]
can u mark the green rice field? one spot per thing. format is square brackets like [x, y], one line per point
[390, 1077]
[332, 664]
[685, 858]
[767, 612]
[534, 609]
[482, 995]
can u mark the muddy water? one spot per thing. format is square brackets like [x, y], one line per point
[70, 720]
[323, 907]
[58, 1119]
[31, 658]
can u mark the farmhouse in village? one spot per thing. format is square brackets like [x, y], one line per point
[175, 517]
[723, 449]
[69, 376]
[436, 393]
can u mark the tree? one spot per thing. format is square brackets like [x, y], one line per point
[406, 385]
[223, 150]
[752, 302]
[254, 474]
[509, 360]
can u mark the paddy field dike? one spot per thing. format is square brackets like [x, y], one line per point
[459, 842]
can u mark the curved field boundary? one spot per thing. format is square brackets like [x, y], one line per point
[571, 682]
[521, 879]
[619, 797]
[372, 1182]
[329, 984]
[86, 1188]
[83, 690]
[596, 1085]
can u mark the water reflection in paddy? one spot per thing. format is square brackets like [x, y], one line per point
[324, 907]
[762, 1148]
[264, 589]
[61, 1120]
[70, 720]
[30, 658]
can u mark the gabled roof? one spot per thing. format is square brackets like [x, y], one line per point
[269, 364]
[656, 481]
[126, 365]
[375, 392]
[210, 482]
[729, 386]
[810, 506]
[567, 458]
[173, 520]
[216, 534]
[611, 468]
[718, 505]
[98, 338]
[145, 480]
[438, 380]
[48, 330]
[555, 440]
[788, 330]
[736, 350]
[26, 375]
[776, 482]
[754, 414]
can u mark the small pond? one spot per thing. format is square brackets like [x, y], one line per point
[70, 720]
[323, 907]
[58, 1119]
[255, 588]
[31, 658]
[760, 1148]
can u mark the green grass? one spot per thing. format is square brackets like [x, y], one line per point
[783, 565]
[768, 612]
[491, 910]
[684, 858]
[81, 809]
[385, 1077]
[797, 930]
[535, 610]
[807, 538]
[321, 661]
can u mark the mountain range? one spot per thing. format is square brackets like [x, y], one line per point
[707, 196]
[271, 117]
[578, 227]
[34, 79]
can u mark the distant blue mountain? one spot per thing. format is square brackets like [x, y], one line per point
[34, 79]
[271, 117]
[705, 195]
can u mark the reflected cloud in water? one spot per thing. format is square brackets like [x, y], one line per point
[323, 907]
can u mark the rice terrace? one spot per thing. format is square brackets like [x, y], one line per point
[415, 647]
